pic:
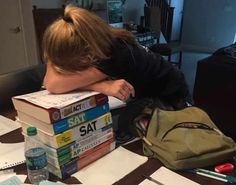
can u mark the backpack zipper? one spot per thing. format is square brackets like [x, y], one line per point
[191, 125]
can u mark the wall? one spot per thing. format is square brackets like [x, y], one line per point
[177, 19]
[99, 6]
[18, 44]
[48, 3]
[133, 10]
[208, 24]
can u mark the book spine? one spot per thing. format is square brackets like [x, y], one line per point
[95, 148]
[82, 162]
[67, 148]
[83, 146]
[76, 150]
[82, 131]
[78, 163]
[79, 118]
[77, 107]
[57, 162]
[79, 132]
[71, 168]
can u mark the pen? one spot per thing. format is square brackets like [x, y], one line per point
[227, 177]
[141, 134]
[153, 180]
[207, 175]
[146, 141]
[213, 175]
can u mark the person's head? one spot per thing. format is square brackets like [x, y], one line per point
[79, 39]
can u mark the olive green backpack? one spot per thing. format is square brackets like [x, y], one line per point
[183, 139]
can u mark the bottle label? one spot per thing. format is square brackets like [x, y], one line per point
[36, 158]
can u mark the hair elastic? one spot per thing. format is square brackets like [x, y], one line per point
[67, 19]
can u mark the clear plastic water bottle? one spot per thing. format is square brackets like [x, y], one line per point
[35, 155]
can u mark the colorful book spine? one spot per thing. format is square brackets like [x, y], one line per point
[82, 117]
[69, 148]
[66, 123]
[79, 152]
[79, 132]
[50, 108]
[89, 143]
[83, 105]
[76, 164]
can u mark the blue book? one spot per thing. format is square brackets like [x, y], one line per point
[74, 148]
[66, 123]
[78, 163]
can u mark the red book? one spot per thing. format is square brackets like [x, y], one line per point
[78, 163]
[50, 108]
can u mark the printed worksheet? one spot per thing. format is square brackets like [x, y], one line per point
[7, 125]
[48, 100]
[110, 168]
[8, 157]
[167, 177]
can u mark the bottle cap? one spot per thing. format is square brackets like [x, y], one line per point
[224, 168]
[31, 131]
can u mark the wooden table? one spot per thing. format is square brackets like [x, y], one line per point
[133, 178]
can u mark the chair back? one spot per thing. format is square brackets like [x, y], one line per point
[42, 19]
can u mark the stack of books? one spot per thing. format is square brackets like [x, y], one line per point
[74, 128]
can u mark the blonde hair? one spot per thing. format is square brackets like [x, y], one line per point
[79, 39]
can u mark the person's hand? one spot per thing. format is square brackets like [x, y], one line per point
[120, 89]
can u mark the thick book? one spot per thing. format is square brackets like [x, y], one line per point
[66, 123]
[50, 108]
[76, 164]
[81, 131]
[74, 149]
[81, 151]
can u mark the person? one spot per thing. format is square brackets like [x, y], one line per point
[83, 52]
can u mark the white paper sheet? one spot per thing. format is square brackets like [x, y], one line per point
[4, 177]
[12, 179]
[47, 182]
[48, 100]
[11, 154]
[110, 168]
[115, 103]
[168, 177]
[7, 125]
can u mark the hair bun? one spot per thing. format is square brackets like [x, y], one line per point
[67, 18]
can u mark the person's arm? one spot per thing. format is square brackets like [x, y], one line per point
[56, 82]
[117, 88]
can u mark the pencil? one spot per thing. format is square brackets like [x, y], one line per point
[153, 180]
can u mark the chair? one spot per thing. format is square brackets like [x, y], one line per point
[42, 19]
[168, 49]
[159, 19]
[20, 82]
